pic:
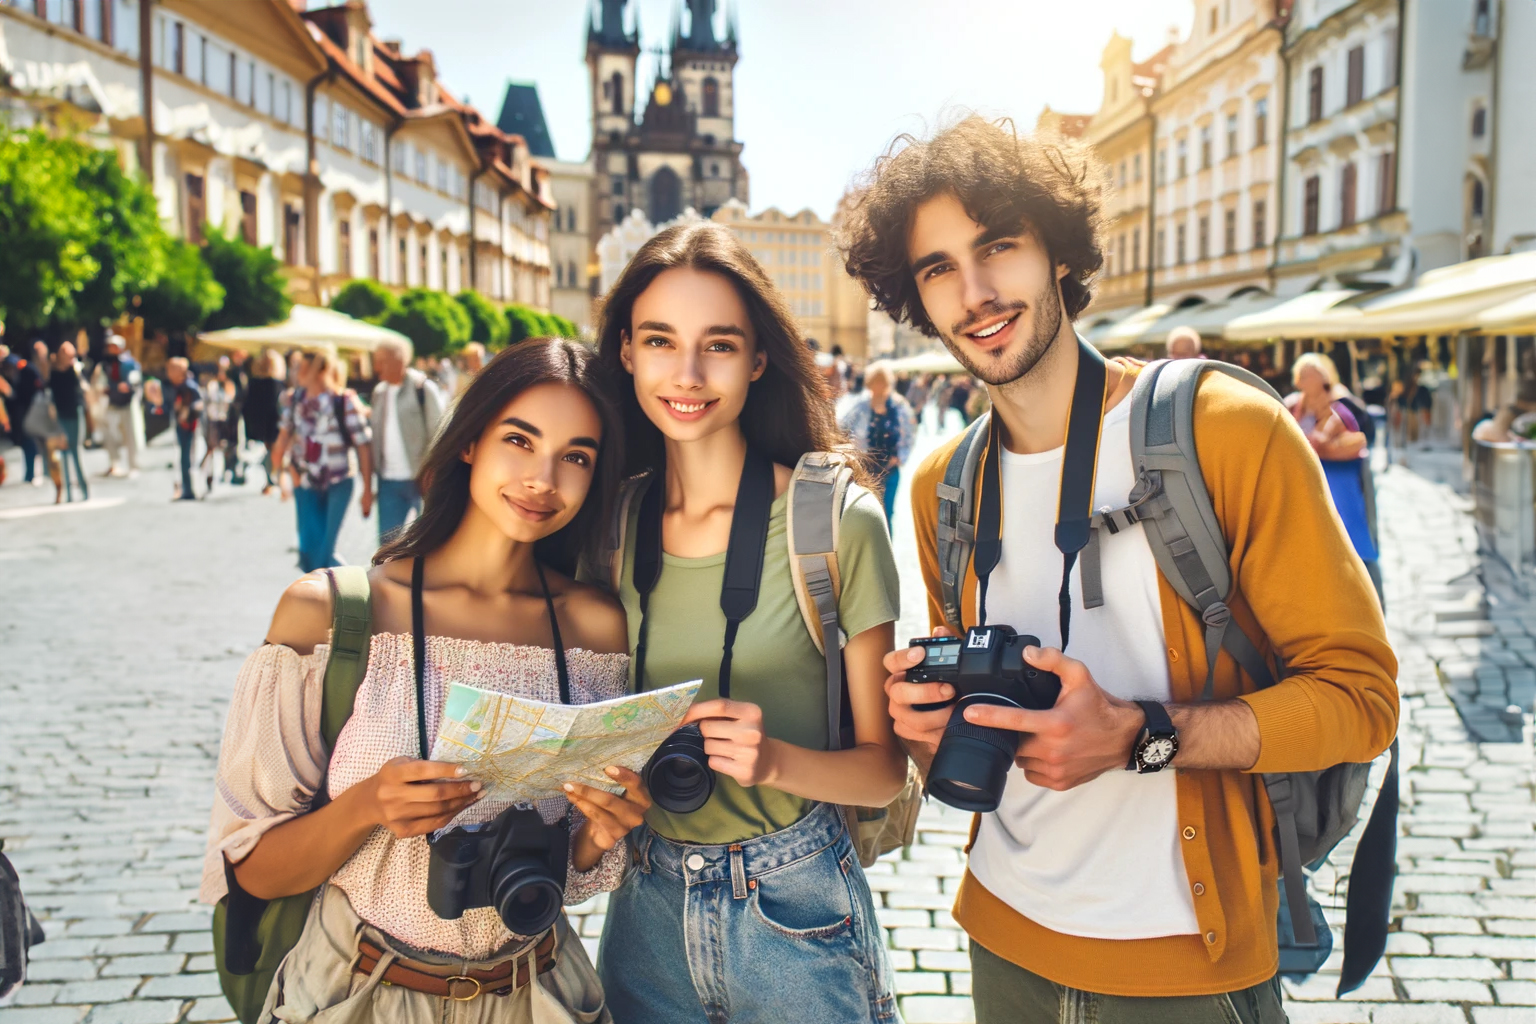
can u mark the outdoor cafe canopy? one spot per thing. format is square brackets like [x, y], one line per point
[307, 327]
[1207, 318]
[1517, 316]
[935, 361]
[1294, 318]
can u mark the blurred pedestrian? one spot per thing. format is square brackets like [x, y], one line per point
[917, 397]
[471, 359]
[1514, 422]
[239, 373]
[118, 378]
[183, 399]
[1184, 343]
[407, 408]
[960, 399]
[321, 427]
[880, 424]
[1333, 430]
[69, 403]
[220, 427]
[263, 409]
[1412, 408]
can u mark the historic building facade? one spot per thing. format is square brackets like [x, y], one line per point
[294, 128]
[681, 150]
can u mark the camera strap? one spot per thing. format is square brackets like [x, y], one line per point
[419, 647]
[1074, 509]
[743, 575]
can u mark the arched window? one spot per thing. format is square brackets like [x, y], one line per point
[1476, 204]
[616, 89]
[711, 98]
[666, 195]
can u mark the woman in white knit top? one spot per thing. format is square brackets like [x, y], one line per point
[514, 484]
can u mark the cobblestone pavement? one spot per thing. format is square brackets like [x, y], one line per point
[142, 610]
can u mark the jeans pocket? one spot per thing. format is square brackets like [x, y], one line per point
[809, 899]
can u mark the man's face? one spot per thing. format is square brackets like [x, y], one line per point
[388, 366]
[994, 297]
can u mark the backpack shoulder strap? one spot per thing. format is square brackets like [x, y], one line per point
[610, 554]
[956, 528]
[818, 491]
[1180, 520]
[351, 634]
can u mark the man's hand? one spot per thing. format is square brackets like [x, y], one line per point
[1086, 734]
[919, 730]
[734, 740]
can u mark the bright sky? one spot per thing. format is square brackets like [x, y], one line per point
[822, 86]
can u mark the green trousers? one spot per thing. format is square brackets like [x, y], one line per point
[1005, 993]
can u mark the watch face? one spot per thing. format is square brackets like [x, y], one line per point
[1158, 750]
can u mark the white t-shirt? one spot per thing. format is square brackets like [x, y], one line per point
[1101, 860]
[397, 464]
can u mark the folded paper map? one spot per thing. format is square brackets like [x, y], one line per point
[526, 750]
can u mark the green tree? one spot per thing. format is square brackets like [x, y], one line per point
[186, 293]
[568, 329]
[365, 299]
[255, 290]
[523, 323]
[130, 247]
[435, 323]
[486, 324]
[48, 229]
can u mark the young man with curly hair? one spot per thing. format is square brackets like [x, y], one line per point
[1102, 889]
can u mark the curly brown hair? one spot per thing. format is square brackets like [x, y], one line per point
[1044, 183]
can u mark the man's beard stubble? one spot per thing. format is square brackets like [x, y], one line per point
[1047, 324]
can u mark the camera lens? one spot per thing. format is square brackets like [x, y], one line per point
[678, 774]
[971, 765]
[526, 896]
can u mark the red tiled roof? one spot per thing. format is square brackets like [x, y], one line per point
[1074, 125]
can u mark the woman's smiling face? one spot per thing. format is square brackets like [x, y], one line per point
[533, 464]
[693, 353]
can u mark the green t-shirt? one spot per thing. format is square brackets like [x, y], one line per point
[774, 664]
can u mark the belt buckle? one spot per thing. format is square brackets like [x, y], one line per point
[464, 999]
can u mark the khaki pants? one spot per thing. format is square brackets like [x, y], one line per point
[316, 981]
[120, 431]
[1006, 993]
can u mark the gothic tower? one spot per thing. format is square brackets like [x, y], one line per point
[612, 51]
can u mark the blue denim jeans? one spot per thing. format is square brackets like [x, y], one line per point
[892, 484]
[774, 929]
[185, 440]
[397, 499]
[320, 514]
[73, 427]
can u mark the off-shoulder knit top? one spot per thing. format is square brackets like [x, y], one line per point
[272, 762]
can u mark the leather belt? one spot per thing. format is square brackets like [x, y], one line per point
[461, 984]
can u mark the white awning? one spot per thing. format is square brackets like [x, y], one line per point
[1293, 318]
[1209, 319]
[1128, 331]
[936, 361]
[1517, 316]
[307, 327]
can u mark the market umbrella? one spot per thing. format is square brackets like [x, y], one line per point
[308, 327]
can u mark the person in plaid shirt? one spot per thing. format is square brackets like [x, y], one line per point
[320, 427]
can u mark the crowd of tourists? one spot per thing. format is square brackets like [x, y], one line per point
[701, 496]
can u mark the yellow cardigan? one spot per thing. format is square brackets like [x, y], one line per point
[1302, 594]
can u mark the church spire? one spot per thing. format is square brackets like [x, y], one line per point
[701, 36]
[608, 30]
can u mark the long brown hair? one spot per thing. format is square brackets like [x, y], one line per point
[789, 408]
[444, 477]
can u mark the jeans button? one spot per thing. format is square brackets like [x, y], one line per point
[695, 862]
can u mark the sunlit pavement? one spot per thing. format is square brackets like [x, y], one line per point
[128, 618]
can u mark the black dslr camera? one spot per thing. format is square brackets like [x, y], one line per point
[514, 862]
[986, 666]
[678, 773]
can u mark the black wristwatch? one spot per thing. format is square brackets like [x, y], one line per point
[1157, 743]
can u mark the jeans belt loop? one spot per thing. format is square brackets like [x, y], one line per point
[738, 872]
[643, 851]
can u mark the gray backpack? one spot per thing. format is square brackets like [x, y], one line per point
[1313, 810]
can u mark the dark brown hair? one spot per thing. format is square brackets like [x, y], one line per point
[789, 408]
[444, 477]
[1043, 183]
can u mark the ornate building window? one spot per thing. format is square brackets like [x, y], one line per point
[1355, 87]
[1315, 95]
[711, 98]
[1260, 227]
[1347, 190]
[1229, 232]
[1311, 195]
[616, 92]
[1260, 121]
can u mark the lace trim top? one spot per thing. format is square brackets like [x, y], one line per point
[272, 762]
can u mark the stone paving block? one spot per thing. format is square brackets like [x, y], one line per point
[593, 926]
[98, 990]
[139, 966]
[100, 926]
[924, 938]
[33, 994]
[200, 963]
[911, 982]
[214, 1008]
[943, 960]
[58, 949]
[42, 1014]
[960, 983]
[194, 921]
[1407, 944]
[1448, 991]
[184, 986]
[891, 917]
[61, 970]
[1515, 993]
[1443, 925]
[902, 959]
[1497, 947]
[1329, 1013]
[1501, 1015]
[934, 1010]
[1419, 1013]
[192, 942]
[900, 899]
[140, 1011]
[1444, 967]
[126, 945]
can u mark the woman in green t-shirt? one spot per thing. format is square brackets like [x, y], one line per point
[752, 907]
